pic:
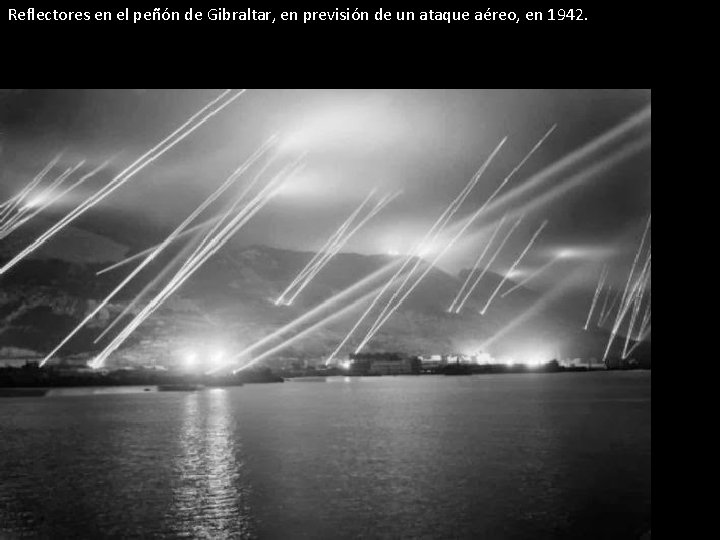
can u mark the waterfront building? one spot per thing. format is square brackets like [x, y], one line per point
[394, 366]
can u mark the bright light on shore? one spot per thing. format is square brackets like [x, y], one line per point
[534, 361]
[345, 364]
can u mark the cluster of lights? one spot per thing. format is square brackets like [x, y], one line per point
[529, 358]
[531, 361]
[213, 358]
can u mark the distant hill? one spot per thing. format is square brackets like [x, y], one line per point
[228, 304]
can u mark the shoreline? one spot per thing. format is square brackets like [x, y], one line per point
[60, 390]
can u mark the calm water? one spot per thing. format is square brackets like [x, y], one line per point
[501, 456]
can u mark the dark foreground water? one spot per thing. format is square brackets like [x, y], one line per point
[564, 455]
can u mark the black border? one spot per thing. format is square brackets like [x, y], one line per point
[609, 50]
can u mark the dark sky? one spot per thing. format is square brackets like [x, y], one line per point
[426, 142]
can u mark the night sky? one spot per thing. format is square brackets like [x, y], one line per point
[426, 142]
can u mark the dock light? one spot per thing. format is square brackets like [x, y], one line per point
[346, 364]
[534, 361]
[484, 358]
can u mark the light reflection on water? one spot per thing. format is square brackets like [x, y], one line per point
[508, 457]
[209, 493]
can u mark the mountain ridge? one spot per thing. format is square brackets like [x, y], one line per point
[231, 301]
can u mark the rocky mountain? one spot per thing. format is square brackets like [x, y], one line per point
[228, 305]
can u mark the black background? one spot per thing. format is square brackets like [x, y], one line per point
[613, 48]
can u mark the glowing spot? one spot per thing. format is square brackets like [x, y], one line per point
[534, 361]
[39, 200]
[217, 358]
[361, 126]
[190, 359]
[485, 358]
[584, 252]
